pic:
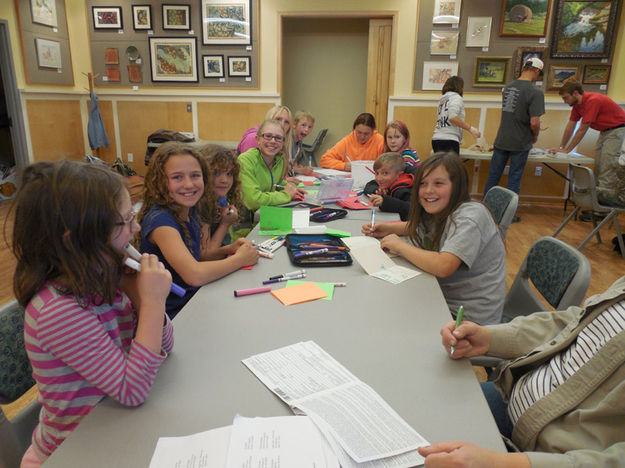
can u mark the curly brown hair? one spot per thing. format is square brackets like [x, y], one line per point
[156, 191]
[65, 213]
[220, 159]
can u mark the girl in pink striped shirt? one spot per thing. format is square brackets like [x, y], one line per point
[91, 330]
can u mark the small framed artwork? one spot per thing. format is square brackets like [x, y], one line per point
[107, 17]
[176, 17]
[134, 73]
[560, 74]
[584, 29]
[436, 73]
[490, 71]
[239, 66]
[478, 31]
[113, 75]
[141, 17]
[523, 54]
[44, 12]
[444, 43]
[226, 22]
[213, 66]
[48, 53]
[446, 12]
[525, 19]
[596, 74]
[111, 56]
[173, 58]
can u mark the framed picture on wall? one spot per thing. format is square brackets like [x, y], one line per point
[596, 74]
[111, 56]
[239, 66]
[107, 17]
[44, 12]
[524, 19]
[173, 58]
[48, 53]
[226, 22]
[444, 43]
[491, 71]
[584, 29]
[213, 66]
[177, 17]
[560, 74]
[478, 31]
[523, 54]
[141, 17]
[446, 12]
[436, 73]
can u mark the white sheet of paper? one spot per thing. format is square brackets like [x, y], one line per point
[310, 380]
[354, 242]
[278, 441]
[396, 274]
[376, 262]
[208, 448]
[331, 172]
[306, 178]
[301, 218]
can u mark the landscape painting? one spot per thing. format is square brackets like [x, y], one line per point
[560, 74]
[525, 18]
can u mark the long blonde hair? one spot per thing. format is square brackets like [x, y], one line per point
[272, 114]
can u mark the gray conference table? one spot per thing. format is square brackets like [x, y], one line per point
[387, 335]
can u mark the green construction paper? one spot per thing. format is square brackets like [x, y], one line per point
[301, 185]
[273, 218]
[337, 233]
[327, 287]
[317, 182]
[274, 232]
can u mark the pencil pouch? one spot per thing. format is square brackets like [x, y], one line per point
[324, 215]
[317, 250]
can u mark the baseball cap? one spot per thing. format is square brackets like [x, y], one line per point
[534, 62]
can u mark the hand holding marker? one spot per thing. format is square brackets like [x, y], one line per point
[134, 264]
[459, 318]
[223, 202]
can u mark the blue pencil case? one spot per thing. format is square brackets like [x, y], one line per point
[317, 250]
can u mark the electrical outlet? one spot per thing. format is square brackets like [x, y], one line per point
[538, 171]
[506, 170]
[188, 107]
[131, 158]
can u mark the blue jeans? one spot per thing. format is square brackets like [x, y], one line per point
[498, 407]
[518, 160]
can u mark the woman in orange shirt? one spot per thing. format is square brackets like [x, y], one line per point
[363, 143]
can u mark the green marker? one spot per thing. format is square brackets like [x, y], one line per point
[459, 318]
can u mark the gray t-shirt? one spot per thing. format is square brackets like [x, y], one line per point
[450, 105]
[479, 284]
[521, 100]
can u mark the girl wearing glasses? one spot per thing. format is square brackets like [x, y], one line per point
[172, 229]
[90, 329]
[281, 114]
[263, 170]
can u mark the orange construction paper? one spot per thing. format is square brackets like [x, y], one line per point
[299, 293]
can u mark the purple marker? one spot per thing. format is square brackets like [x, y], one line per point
[247, 292]
[177, 290]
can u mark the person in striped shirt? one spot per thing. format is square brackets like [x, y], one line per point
[559, 396]
[91, 329]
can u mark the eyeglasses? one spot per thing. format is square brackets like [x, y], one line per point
[268, 137]
[128, 220]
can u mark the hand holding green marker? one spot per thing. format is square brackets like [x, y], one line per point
[459, 318]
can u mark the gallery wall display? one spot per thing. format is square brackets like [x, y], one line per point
[173, 58]
[444, 43]
[596, 74]
[524, 18]
[44, 12]
[491, 71]
[238, 66]
[559, 74]
[446, 11]
[478, 31]
[176, 17]
[213, 66]
[48, 53]
[226, 22]
[436, 73]
[107, 17]
[141, 17]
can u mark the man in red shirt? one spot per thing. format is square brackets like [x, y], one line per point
[601, 113]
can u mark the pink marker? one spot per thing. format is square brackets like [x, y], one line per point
[247, 292]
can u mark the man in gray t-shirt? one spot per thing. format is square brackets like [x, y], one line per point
[522, 105]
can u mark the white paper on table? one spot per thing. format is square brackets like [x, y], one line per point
[310, 380]
[354, 242]
[396, 274]
[301, 218]
[378, 264]
[332, 172]
[306, 178]
[278, 441]
[208, 448]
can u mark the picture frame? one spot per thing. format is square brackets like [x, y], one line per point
[560, 74]
[111, 56]
[176, 17]
[141, 17]
[113, 74]
[523, 54]
[446, 12]
[173, 59]
[107, 17]
[584, 29]
[527, 19]
[596, 74]
[48, 53]
[239, 66]
[44, 12]
[478, 31]
[444, 42]
[491, 71]
[436, 73]
[135, 74]
[226, 22]
[213, 66]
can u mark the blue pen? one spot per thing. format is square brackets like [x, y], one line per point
[308, 253]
